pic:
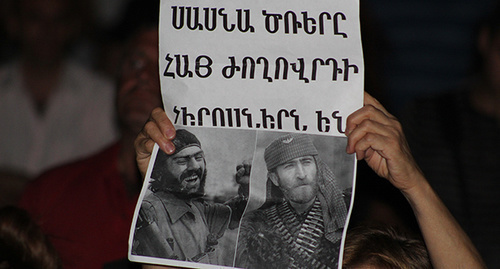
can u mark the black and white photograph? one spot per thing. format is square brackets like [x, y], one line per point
[246, 199]
[299, 201]
[191, 207]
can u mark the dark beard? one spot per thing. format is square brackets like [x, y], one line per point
[168, 183]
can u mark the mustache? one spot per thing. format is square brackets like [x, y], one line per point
[189, 173]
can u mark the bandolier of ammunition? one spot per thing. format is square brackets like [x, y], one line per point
[302, 237]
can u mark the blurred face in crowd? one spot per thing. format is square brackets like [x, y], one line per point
[139, 84]
[187, 169]
[45, 28]
[297, 179]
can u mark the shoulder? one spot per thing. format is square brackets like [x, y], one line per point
[152, 201]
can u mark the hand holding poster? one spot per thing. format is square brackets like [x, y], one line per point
[265, 85]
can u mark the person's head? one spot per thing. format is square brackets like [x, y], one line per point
[138, 79]
[292, 167]
[139, 83]
[297, 174]
[184, 172]
[45, 28]
[22, 242]
[383, 248]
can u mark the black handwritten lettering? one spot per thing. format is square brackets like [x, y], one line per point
[181, 66]
[300, 69]
[347, 66]
[244, 21]
[289, 15]
[223, 117]
[184, 116]
[238, 118]
[272, 21]
[181, 63]
[290, 23]
[193, 18]
[293, 114]
[207, 67]
[323, 122]
[335, 71]
[228, 27]
[230, 70]
[210, 19]
[178, 18]
[278, 67]
[266, 68]
[206, 19]
[336, 24]
[270, 121]
[339, 121]
[248, 61]
[178, 70]
[308, 22]
[169, 62]
[282, 67]
[265, 118]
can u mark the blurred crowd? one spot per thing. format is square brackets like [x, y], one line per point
[79, 78]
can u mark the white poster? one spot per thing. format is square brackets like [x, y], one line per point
[259, 92]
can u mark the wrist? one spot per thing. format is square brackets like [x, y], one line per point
[419, 191]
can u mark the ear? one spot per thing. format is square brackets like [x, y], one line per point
[274, 178]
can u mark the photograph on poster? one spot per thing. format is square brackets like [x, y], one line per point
[194, 198]
[303, 187]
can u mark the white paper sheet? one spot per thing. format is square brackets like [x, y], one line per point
[239, 74]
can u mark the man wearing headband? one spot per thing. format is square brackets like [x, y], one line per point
[174, 222]
[300, 225]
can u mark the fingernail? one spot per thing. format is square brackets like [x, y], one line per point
[169, 148]
[170, 133]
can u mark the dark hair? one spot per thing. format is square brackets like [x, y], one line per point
[384, 248]
[22, 242]
[138, 15]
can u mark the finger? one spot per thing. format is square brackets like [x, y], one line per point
[372, 109]
[369, 113]
[385, 127]
[144, 148]
[389, 159]
[140, 145]
[371, 141]
[152, 131]
[370, 100]
[163, 122]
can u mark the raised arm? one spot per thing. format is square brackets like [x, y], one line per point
[377, 137]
